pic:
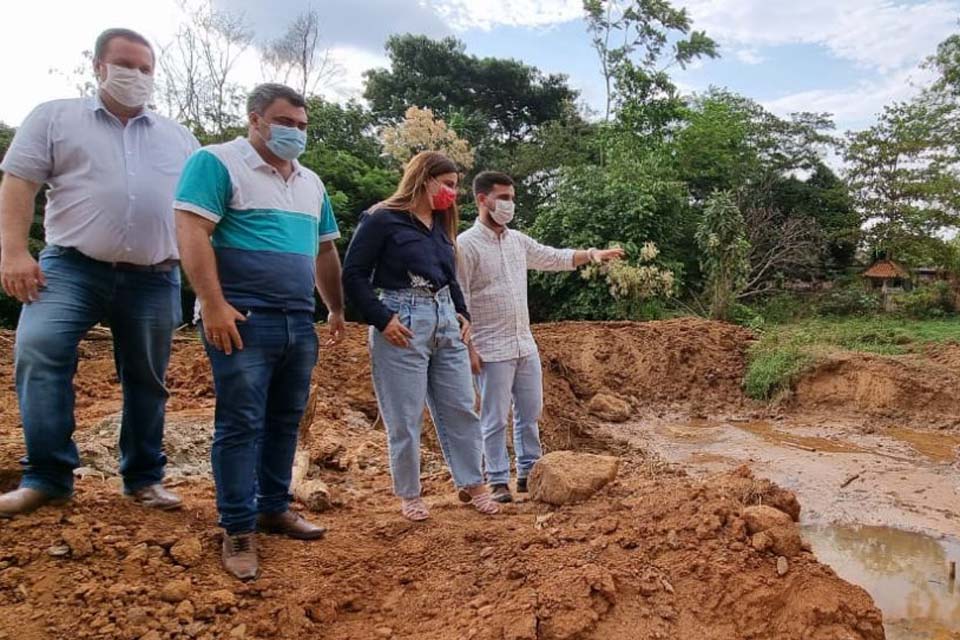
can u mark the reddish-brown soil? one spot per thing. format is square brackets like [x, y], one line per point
[919, 389]
[654, 555]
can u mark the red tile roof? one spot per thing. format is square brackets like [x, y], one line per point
[884, 269]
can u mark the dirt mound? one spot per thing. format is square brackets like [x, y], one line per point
[653, 554]
[684, 365]
[918, 389]
[648, 557]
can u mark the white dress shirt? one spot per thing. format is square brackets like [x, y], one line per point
[111, 186]
[492, 271]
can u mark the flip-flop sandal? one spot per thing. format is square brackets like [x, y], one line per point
[485, 504]
[414, 510]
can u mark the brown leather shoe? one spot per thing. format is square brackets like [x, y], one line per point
[23, 500]
[239, 555]
[290, 524]
[156, 496]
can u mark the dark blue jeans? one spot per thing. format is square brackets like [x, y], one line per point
[261, 395]
[143, 310]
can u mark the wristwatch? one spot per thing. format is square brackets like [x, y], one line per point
[592, 254]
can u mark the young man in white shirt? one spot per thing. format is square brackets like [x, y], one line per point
[493, 264]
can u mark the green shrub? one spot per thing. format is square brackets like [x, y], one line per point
[927, 302]
[773, 368]
[851, 301]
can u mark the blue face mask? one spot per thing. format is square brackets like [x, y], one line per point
[286, 142]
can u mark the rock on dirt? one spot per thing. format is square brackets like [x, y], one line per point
[782, 566]
[610, 408]
[176, 591]
[78, 540]
[568, 477]
[772, 529]
[187, 551]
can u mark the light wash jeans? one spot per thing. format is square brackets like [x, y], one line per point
[517, 382]
[434, 368]
[143, 309]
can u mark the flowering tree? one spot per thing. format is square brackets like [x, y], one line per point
[631, 285]
[421, 131]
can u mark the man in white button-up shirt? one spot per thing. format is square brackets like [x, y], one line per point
[111, 166]
[493, 265]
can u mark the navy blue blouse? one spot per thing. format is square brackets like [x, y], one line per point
[389, 250]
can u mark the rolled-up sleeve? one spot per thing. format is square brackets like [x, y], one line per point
[543, 258]
[30, 155]
[358, 267]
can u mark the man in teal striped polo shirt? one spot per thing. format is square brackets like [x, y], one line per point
[256, 233]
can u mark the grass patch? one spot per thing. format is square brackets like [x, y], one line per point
[784, 352]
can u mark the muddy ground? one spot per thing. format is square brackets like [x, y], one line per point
[659, 553]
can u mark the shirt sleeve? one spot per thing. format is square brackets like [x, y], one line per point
[540, 257]
[361, 260]
[30, 155]
[328, 223]
[466, 259]
[205, 187]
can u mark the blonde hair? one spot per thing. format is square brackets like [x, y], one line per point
[419, 170]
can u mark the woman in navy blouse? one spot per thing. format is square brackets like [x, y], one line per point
[405, 249]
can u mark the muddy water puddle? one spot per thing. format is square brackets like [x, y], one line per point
[907, 574]
[863, 494]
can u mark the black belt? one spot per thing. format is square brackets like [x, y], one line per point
[161, 267]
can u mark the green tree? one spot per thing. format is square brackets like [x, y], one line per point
[637, 41]
[724, 249]
[904, 173]
[344, 151]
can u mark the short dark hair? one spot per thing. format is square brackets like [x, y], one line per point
[264, 95]
[487, 180]
[104, 39]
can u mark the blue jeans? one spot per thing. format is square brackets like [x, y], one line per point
[517, 383]
[143, 310]
[434, 368]
[262, 391]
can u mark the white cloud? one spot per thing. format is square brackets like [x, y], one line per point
[877, 34]
[749, 56]
[352, 62]
[487, 14]
[857, 106]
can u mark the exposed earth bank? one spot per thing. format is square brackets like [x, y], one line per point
[654, 554]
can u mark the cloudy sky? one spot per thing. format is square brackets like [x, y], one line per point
[847, 57]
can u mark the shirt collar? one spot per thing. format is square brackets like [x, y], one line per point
[254, 160]
[489, 233]
[94, 103]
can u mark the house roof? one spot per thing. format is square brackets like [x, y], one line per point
[884, 269]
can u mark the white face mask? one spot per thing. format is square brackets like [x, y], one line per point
[130, 87]
[502, 212]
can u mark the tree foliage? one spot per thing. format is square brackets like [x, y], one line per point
[421, 131]
[724, 252]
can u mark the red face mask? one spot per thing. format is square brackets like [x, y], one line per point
[443, 199]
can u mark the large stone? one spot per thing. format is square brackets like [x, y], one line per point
[773, 530]
[761, 518]
[187, 551]
[609, 408]
[176, 591]
[566, 477]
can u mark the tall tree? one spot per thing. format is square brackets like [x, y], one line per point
[198, 68]
[297, 58]
[504, 100]
[637, 41]
[905, 176]
[722, 239]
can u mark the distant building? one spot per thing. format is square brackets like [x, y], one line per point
[888, 276]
